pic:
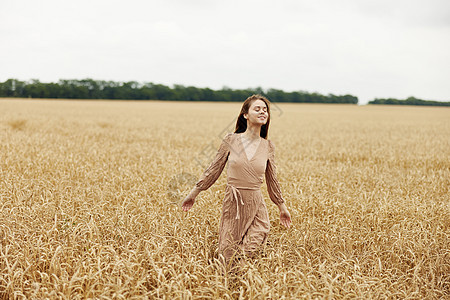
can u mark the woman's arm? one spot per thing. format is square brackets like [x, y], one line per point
[211, 174]
[274, 189]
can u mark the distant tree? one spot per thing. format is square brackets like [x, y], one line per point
[97, 89]
[12, 88]
[408, 101]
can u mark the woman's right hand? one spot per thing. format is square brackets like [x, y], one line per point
[188, 202]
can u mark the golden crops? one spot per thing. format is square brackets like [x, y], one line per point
[89, 193]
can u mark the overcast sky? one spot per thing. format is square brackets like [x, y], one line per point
[367, 48]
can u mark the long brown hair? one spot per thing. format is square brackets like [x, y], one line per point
[241, 123]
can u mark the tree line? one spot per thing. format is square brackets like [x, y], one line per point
[132, 90]
[409, 101]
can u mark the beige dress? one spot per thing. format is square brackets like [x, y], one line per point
[244, 224]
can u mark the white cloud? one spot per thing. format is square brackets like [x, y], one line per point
[366, 48]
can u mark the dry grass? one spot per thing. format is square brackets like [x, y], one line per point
[88, 189]
[17, 124]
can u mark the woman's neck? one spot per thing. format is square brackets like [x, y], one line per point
[252, 132]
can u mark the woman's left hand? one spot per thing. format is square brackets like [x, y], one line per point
[285, 216]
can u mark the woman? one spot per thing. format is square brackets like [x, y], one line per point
[244, 224]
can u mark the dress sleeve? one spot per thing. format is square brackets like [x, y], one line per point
[273, 186]
[214, 170]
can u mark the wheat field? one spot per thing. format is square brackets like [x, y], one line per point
[90, 193]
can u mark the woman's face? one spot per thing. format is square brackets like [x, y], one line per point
[257, 113]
